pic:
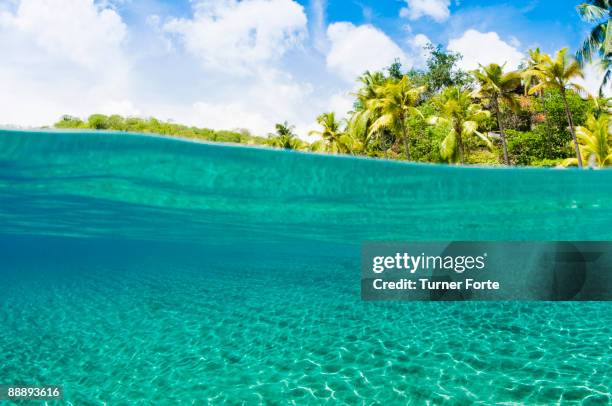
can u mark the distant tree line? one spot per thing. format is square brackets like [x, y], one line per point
[155, 126]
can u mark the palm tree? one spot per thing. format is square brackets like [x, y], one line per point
[536, 57]
[558, 73]
[336, 140]
[498, 89]
[394, 104]
[370, 81]
[361, 118]
[530, 80]
[599, 41]
[595, 141]
[463, 117]
[285, 137]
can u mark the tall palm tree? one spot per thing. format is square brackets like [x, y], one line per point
[336, 140]
[285, 137]
[536, 57]
[463, 117]
[595, 141]
[394, 104]
[599, 41]
[498, 88]
[361, 117]
[558, 73]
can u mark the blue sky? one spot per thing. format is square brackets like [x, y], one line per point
[246, 63]
[550, 24]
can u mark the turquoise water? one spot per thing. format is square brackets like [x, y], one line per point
[148, 270]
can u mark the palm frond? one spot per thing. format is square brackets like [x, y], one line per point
[581, 90]
[569, 162]
[485, 138]
[593, 44]
[384, 122]
[591, 13]
[448, 147]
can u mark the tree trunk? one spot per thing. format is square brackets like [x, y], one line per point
[460, 144]
[572, 129]
[545, 111]
[405, 137]
[501, 132]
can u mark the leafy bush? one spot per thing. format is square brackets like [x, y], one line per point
[98, 122]
[116, 122]
[483, 157]
[547, 163]
[525, 147]
[70, 122]
[554, 109]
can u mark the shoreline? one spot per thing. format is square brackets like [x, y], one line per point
[74, 131]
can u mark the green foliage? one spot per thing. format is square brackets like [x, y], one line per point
[599, 41]
[559, 73]
[463, 118]
[395, 70]
[595, 141]
[335, 138]
[391, 106]
[155, 126]
[483, 156]
[285, 138]
[70, 122]
[116, 122]
[547, 163]
[498, 90]
[555, 109]
[443, 71]
[426, 140]
[98, 122]
[526, 147]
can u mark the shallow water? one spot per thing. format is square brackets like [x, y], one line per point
[155, 270]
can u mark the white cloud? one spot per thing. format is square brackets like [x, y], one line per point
[484, 48]
[420, 41]
[356, 49]
[439, 10]
[256, 105]
[122, 107]
[55, 60]
[341, 104]
[418, 45]
[593, 77]
[230, 35]
[76, 30]
[229, 117]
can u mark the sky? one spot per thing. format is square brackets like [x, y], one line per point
[246, 64]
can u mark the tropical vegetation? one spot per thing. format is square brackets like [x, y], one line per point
[537, 115]
[594, 142]
[598, 44]
[461, 117]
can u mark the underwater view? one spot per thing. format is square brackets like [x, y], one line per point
[155, 270]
